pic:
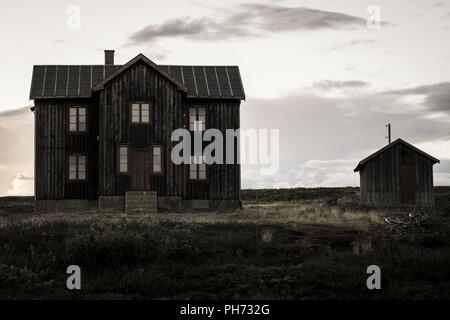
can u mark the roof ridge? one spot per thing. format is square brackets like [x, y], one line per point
[390, 145]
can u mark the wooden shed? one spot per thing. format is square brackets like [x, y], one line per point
[397, 175]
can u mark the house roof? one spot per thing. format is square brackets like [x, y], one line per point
[79, 81]
[140, 57]
[392, 144]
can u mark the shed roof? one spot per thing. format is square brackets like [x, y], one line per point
[392, 144]
[79, 81]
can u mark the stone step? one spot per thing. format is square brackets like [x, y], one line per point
[140, 201]
[145, 206]
[134, 198]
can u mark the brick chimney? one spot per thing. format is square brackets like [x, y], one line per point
[109, 57]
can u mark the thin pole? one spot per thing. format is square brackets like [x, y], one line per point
[389, 132]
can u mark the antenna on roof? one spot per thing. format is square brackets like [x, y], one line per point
[388, 126]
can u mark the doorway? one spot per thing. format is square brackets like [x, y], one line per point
[408, 183]
[140, 169]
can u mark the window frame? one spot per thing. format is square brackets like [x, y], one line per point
[130, 113]
[118, 146]
[86, 164]
[197, 179]
[161, 173]
[77, 106]
[189, 117]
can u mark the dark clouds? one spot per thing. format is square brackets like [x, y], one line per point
[250, 20]
[437, 95]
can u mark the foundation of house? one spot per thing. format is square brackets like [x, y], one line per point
[135, 202]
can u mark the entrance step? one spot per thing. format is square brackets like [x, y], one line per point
[140, 202]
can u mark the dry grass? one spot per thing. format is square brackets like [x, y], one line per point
[362, 246]
[266, 235]
[291, 213]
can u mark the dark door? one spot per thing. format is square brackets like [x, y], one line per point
[140, 170]
[408, 183]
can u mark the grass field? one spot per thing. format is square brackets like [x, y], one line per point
[284, 244]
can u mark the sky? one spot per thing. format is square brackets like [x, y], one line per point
[329, 75]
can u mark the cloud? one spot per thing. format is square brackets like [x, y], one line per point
[339, 84]
[277, 18]
[15, 112]
[22, 185]
[17, 151]
[309, 174]
[249, 20]
[436, 96]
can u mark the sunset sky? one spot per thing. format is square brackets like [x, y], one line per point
[312, 69]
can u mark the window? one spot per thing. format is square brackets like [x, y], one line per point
[197, 119]
[197, 168]
[77, 167]
[122, 159]
[140, 112]
[77, 119]
[157, 160]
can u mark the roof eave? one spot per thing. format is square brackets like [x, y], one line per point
[399, 140]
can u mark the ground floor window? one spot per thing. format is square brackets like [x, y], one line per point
[157, 159]
[123, 151]
[77, 167]
[197, 168]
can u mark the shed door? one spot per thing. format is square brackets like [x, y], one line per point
[140, 170]
[408, 183]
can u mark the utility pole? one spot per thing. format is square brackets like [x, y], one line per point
[388, 126]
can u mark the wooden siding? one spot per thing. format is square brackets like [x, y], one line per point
[53, 144]
[380, 178]
[223, 180]
[139, 82]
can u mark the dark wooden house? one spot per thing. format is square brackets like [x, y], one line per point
[397, 175]
[103, 135]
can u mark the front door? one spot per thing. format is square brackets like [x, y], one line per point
[408, 183]
[140, 170]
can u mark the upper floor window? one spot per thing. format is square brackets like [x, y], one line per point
[123, 152]
[197, 168]
[197, 119]
[77, 119]
[157, 159]
[77, 167]
[140, 112]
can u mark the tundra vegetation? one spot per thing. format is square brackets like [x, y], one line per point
[284, 244]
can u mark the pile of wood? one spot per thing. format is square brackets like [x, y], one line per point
[418, 220]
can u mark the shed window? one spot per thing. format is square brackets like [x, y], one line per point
[77, 167]
[77, 119]
[157, 159]
[197, 168]
[140, 112]
[122, 158]
[197, 119]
